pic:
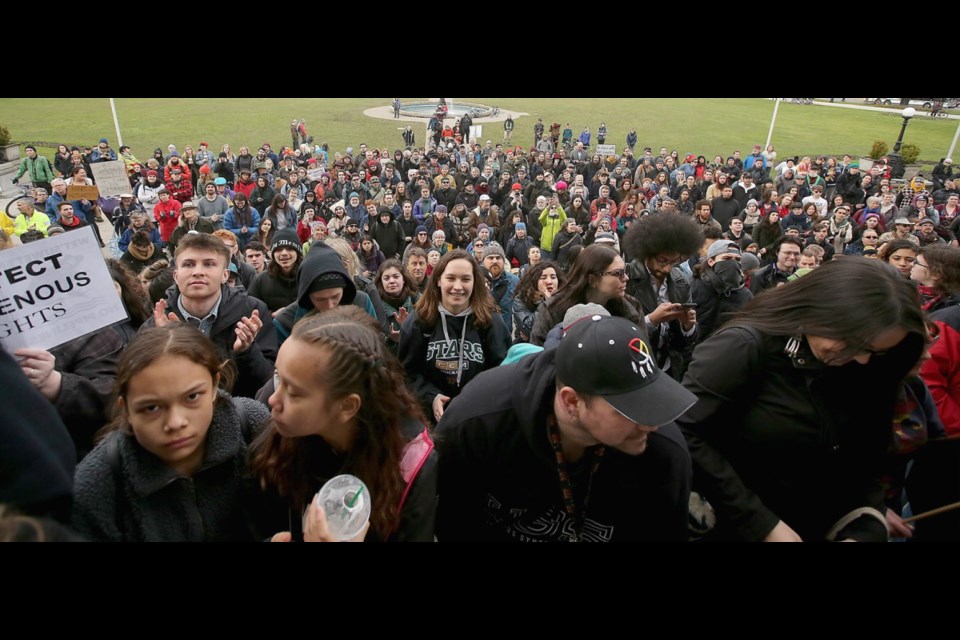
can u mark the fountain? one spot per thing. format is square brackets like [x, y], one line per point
[427, 108]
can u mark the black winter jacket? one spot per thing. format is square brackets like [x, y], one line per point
[498, 473]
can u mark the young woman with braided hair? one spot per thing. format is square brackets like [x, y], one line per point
[340, 406]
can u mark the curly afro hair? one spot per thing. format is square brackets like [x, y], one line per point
[663, 233]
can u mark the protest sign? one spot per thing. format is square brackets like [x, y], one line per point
[315, 174]
[476, 132]
[82, 192]
[54, 290]
[605, 150]
[111, 177]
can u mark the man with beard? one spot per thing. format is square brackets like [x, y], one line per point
[416, 264]
[484, 214]
[660, 243]
[783, 266]
[213, 207]
[502, 282]
[704, 217]
[718, 289]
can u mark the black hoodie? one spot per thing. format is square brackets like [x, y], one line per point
[320, 260]
[498, 472]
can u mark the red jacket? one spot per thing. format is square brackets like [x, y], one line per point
[167, 216]
[182, 191]
[183, 168]
[246, 188]
[942, 371]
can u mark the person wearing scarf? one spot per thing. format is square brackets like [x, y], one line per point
[141, 252]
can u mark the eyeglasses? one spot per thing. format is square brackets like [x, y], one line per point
[663, 262]
[920, 264]
[619, 274]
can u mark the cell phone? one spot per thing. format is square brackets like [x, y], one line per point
[687, 306]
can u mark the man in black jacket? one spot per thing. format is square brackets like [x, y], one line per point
[388, 234]
[848, 184]
[440, 222]
[660, 243]
[239, 325]
[719, 289]
[745, 190]
[446, 194]
[778, 271]
[726, 207]
[591, 420]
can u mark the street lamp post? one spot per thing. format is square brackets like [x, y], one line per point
[896, 162]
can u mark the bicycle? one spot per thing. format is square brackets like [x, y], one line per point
[26, 191]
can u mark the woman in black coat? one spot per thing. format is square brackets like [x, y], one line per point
[796, 405]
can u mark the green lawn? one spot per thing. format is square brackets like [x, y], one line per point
[708, 125]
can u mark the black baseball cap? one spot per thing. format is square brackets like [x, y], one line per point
[608, 357]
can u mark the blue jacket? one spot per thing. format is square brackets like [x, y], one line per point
[418, 208]
[124, 241]
[52, 202]
[235, 227]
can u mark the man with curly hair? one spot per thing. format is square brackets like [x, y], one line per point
[659, 244]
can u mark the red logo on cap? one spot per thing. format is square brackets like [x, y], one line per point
[639, 346]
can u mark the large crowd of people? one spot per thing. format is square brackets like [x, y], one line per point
[640, 346]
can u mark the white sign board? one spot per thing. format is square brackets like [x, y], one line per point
[476, 132]
[315, 174]
[54, 290]
[111, 178]
[606, 150]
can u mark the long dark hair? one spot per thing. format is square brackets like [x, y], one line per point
[480, 299]
[890, 248]
[409, 286]
[359, 363]
[591, 262]
[276, 271]
[266, 240]
[246, 215]
[527, 291]
[868, 298]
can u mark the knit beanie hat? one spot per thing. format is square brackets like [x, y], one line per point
[286, 238]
